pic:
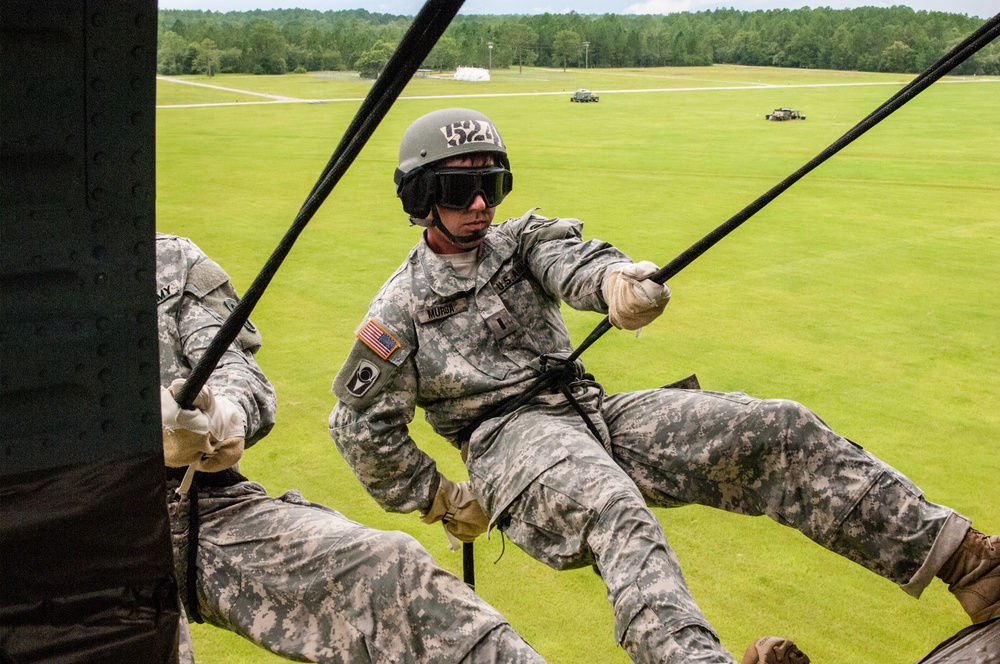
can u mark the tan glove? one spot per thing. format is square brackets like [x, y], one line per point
[774, 650]
[456, 507]
[212, 434]
[634, 300]
[185, 432]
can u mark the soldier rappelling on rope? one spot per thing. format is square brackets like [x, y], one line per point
[470, 323]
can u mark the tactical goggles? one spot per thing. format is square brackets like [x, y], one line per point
[457, 188]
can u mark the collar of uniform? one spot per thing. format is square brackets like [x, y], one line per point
[493, 253]
[438, 273]
[445, 282]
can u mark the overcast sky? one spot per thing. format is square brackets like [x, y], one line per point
[981, 8]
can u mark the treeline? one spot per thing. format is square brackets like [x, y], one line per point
[895, 39]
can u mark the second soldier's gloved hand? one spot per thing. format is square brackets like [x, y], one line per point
[211, 434]
[456, 507]
[633, 299]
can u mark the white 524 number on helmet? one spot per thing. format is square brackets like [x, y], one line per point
[442, 135]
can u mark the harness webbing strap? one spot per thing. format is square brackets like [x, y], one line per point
[191, 573]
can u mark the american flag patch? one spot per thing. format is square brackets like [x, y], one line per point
[375, 337]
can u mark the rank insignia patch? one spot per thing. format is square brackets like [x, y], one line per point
[375, 337]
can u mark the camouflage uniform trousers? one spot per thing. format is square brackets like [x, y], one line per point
[305, 582]
[673, 447]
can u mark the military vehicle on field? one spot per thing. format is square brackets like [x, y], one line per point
[583, 96]
[780, 114]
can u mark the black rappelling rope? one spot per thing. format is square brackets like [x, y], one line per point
[428, 26]
[974, 42]
[986, 33]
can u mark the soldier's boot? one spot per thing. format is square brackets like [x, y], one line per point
[973, 575]
[774, 650]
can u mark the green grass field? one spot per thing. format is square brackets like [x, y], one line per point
[869, 291]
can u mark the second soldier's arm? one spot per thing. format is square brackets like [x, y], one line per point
[204, 306]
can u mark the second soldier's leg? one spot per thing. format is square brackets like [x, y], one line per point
[502, 646]
[185, 648]
[305, 582]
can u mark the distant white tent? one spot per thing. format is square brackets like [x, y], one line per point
[472, 74]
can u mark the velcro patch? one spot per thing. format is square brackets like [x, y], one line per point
[502, 324]
[231, 305]
[377, 339]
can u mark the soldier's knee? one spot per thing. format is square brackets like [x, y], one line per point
[392, 553]
[502, 645]
[787, 423]
[397, 545]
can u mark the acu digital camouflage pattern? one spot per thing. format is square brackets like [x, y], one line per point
[571, 500]
[309, 584]
[194, 297]
[295, 577]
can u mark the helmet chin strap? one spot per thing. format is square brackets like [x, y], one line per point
[457, 239]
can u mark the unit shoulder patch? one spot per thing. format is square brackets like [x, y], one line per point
[362, 378]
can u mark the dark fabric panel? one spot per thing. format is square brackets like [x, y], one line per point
[83, 528]
[117, 626]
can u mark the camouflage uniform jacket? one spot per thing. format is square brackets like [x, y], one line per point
[455, 347]
[193, 298]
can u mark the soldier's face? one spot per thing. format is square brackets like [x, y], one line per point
[467, 221]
